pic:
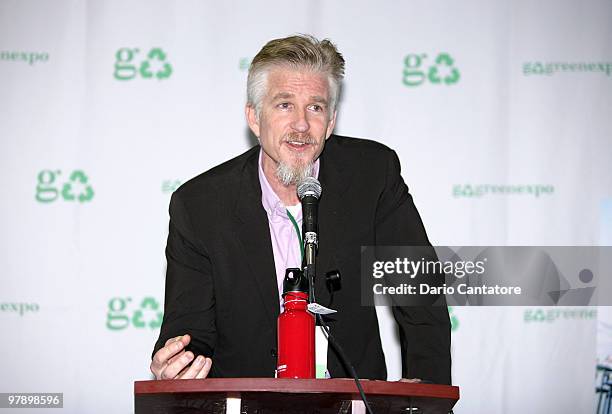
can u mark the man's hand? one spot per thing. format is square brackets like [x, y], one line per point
[172, 361]
[411, 380]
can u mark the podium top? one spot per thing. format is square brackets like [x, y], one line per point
[301, 386]
[275, 395]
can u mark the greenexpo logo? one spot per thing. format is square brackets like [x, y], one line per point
[170, 186]
[480, 190]
[148, 314]
[19, 308]
[23, 56]
[454, 320]
[551, 68]
[553, 314]
[442, 71]
[154, 65]
[244, 63]
[76, 188]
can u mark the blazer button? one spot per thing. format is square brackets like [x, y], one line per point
[273, 352]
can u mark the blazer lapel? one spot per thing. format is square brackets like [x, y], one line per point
[331, 219]
[254, 235]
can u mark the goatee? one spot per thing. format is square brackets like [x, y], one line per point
[293, 174]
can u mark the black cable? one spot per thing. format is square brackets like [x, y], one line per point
[345, 361]
[331, 300]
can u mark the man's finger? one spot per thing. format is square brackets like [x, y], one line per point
[169, 341]
[162, 357]
[185, 339]
[412, 380]
[205, 369]
[173, 369]
[194, 369]
[175, 357]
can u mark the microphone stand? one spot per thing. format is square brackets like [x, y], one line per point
[309, 263]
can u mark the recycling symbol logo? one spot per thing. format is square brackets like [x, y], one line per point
[157, 56]
[149, 315]
[444, 62]
[79, 180]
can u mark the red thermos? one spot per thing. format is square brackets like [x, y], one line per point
[296, 333]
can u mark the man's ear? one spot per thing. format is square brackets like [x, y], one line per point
[331, 125]
[252, 120]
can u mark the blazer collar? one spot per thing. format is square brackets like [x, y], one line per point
[254, 234]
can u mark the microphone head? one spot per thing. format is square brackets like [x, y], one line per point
[309, 186]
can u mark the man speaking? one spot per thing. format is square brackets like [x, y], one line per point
[233, 233]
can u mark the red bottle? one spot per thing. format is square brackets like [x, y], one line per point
[296, 338]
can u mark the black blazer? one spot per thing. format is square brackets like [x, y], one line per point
[221, 280]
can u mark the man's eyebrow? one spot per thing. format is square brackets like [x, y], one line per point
[282, 95]
[319, 99]
[288, 95]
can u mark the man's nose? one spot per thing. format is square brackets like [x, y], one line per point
[300, 121]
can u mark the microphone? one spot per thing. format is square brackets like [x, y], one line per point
[309, 190]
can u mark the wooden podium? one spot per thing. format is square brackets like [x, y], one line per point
[300, 396]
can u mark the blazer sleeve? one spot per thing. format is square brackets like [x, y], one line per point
[424, 331]
[189, 306]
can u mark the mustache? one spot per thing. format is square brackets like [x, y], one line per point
[302, 138]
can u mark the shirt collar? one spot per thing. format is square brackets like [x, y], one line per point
[270, 201]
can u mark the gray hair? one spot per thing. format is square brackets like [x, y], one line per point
[299, 51]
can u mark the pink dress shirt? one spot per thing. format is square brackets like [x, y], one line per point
[285, 241]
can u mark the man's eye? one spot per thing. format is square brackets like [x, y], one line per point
[284, 105]
[316, 108]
